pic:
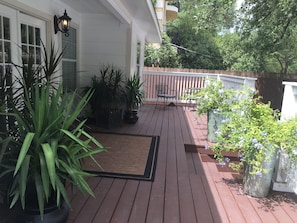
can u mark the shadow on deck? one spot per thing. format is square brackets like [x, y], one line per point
[188, 186]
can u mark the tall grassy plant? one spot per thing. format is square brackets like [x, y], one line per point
[108, 87]
[29, 73]
[134, 93]
[47, 149]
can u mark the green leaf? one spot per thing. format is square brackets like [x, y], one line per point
[95, 141]
[4, 147]
[23, 180]
[73, 137]
[44, 176]
[39, 191]
[15, 199]
[85, 186]
[24, 149]
[90, 153]
[50, 163]
[61, 190]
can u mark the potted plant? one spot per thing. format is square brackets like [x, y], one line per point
[251, 130]
[134, 97]
[286, 164]
[109, 95]
[215, 100]
[43, 150]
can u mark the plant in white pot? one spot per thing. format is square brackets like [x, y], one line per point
[251, 130]
[44, 148]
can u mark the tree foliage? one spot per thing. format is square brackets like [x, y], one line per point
[211, 15]
[233, 53]
[260, 36]
[164, 55]
[270, 28]
[197, 48]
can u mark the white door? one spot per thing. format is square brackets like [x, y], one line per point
[18, 33]
[8, 45]
[32, 35]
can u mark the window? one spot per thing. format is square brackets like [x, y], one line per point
[5, 71]
[69, 60]
[31, 43]
[138, 51]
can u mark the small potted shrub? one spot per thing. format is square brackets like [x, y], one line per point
[134, 97]
[285, 170]
[108, 98]
[251, 130]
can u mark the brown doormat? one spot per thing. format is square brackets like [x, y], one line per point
[127, 156]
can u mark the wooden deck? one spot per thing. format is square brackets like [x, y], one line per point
[186, 189]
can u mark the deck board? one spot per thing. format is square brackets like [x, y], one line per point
[106, 210]
[89, 210]
[171, 204]
[188, 186]
[122, 212]
[247, 209]
[201, 204]
[186, 203]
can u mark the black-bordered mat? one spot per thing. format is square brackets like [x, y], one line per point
[128, 156]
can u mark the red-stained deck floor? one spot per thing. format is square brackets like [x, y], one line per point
[186, 189]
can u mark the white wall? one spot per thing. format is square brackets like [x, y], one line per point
[103, 41]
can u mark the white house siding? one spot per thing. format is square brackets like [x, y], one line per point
[103, 41]
[43, 11]
[102, 37]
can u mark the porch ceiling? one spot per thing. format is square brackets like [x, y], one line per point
[140, 12]
[91, 6]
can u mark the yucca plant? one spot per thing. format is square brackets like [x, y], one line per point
[134, 93]
[29, 74]
[46, 144]
[134, 96]
[47, 150]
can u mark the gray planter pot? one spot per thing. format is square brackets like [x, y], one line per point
[214, 121]
[259, 185]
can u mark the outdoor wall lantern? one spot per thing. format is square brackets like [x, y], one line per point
[62, 23]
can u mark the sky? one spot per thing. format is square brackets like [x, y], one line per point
[238, 3]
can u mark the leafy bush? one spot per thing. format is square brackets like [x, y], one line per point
[214, 96]
[252, 130]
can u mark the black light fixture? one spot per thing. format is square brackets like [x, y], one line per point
[62, 23]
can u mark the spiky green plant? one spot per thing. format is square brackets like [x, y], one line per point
[46, 143]
[47, 150]
[29, 73]
[134, 93]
